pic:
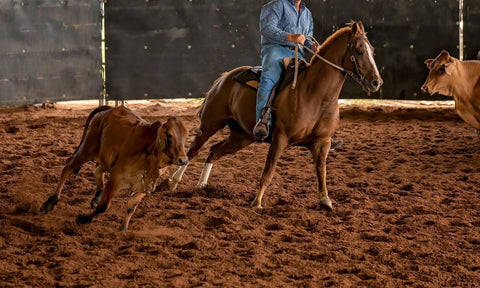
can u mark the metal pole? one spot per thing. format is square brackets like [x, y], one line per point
[460, 29]
[104, 96]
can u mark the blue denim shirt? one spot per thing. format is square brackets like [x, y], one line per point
[280, 17]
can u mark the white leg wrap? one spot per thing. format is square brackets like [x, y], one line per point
[202, 182]
[176, 177]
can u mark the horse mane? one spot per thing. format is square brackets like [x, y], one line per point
[332, 38]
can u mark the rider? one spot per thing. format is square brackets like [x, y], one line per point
[283, 24]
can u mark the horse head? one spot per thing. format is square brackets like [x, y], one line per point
[359, 59]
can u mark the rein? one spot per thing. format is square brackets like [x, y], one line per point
[357, 76]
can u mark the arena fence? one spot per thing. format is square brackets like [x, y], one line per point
[51, 49]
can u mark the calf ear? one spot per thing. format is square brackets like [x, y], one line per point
[448, 68]
[154, 132]
[428, 62]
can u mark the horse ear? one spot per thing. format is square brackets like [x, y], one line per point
[357, 28]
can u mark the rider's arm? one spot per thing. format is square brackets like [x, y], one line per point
[270, 17]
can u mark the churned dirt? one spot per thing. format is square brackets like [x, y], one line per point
[405, 188]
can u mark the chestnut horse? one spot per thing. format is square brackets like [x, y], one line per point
[305, 116]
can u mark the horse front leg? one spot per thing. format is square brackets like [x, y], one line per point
[279, 143]
[320, 152]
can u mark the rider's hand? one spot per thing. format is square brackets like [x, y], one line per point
[296, 38]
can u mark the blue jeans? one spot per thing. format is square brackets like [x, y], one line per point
[272, 68]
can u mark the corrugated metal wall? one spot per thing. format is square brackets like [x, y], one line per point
[173, 48]
[50, 51]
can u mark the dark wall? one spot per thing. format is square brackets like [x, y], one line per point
[50, 51]
[171, 48]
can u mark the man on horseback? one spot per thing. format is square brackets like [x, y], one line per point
[283, 24]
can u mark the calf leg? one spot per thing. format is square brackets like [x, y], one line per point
[99, 180]
[73, 163]
[131, 207]
[113, 185]
[320, 152]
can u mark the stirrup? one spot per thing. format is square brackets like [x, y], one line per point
[260, 131]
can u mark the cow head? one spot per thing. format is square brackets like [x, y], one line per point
[169, 146]
[441, 76]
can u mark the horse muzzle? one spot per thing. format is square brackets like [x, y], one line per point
[373, 85]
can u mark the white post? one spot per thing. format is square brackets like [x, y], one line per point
[460, 29]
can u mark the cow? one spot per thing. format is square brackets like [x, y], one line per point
[132, 150]
[458, 79]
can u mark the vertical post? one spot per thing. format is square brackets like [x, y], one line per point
[460, 29]
[103, 94]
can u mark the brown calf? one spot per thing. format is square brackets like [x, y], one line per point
[130, 149]
[458, 79]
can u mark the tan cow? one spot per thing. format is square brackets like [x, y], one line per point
[458, 79]
[130, 149]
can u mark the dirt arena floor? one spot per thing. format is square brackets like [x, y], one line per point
[405, 188]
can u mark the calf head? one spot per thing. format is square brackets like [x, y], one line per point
[441, 77]
[169, 145]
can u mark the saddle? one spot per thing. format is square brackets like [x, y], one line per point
[251, 77]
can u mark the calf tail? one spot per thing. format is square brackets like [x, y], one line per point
[87, 123]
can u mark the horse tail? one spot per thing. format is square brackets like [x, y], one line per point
[87, 124]
[214, 87]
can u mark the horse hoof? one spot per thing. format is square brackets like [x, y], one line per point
[123, 228]
[83, 219]
[325, 204]
[201, 185]
[256, 205]
[172, 184]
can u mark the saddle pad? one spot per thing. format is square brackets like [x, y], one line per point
[249, 77]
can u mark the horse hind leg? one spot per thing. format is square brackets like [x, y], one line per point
[237, 140]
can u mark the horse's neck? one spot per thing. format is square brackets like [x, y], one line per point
[321, 74]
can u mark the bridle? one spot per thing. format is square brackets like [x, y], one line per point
[357, 75]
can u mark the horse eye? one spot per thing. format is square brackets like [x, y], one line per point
[360, 52]
[441, 69]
